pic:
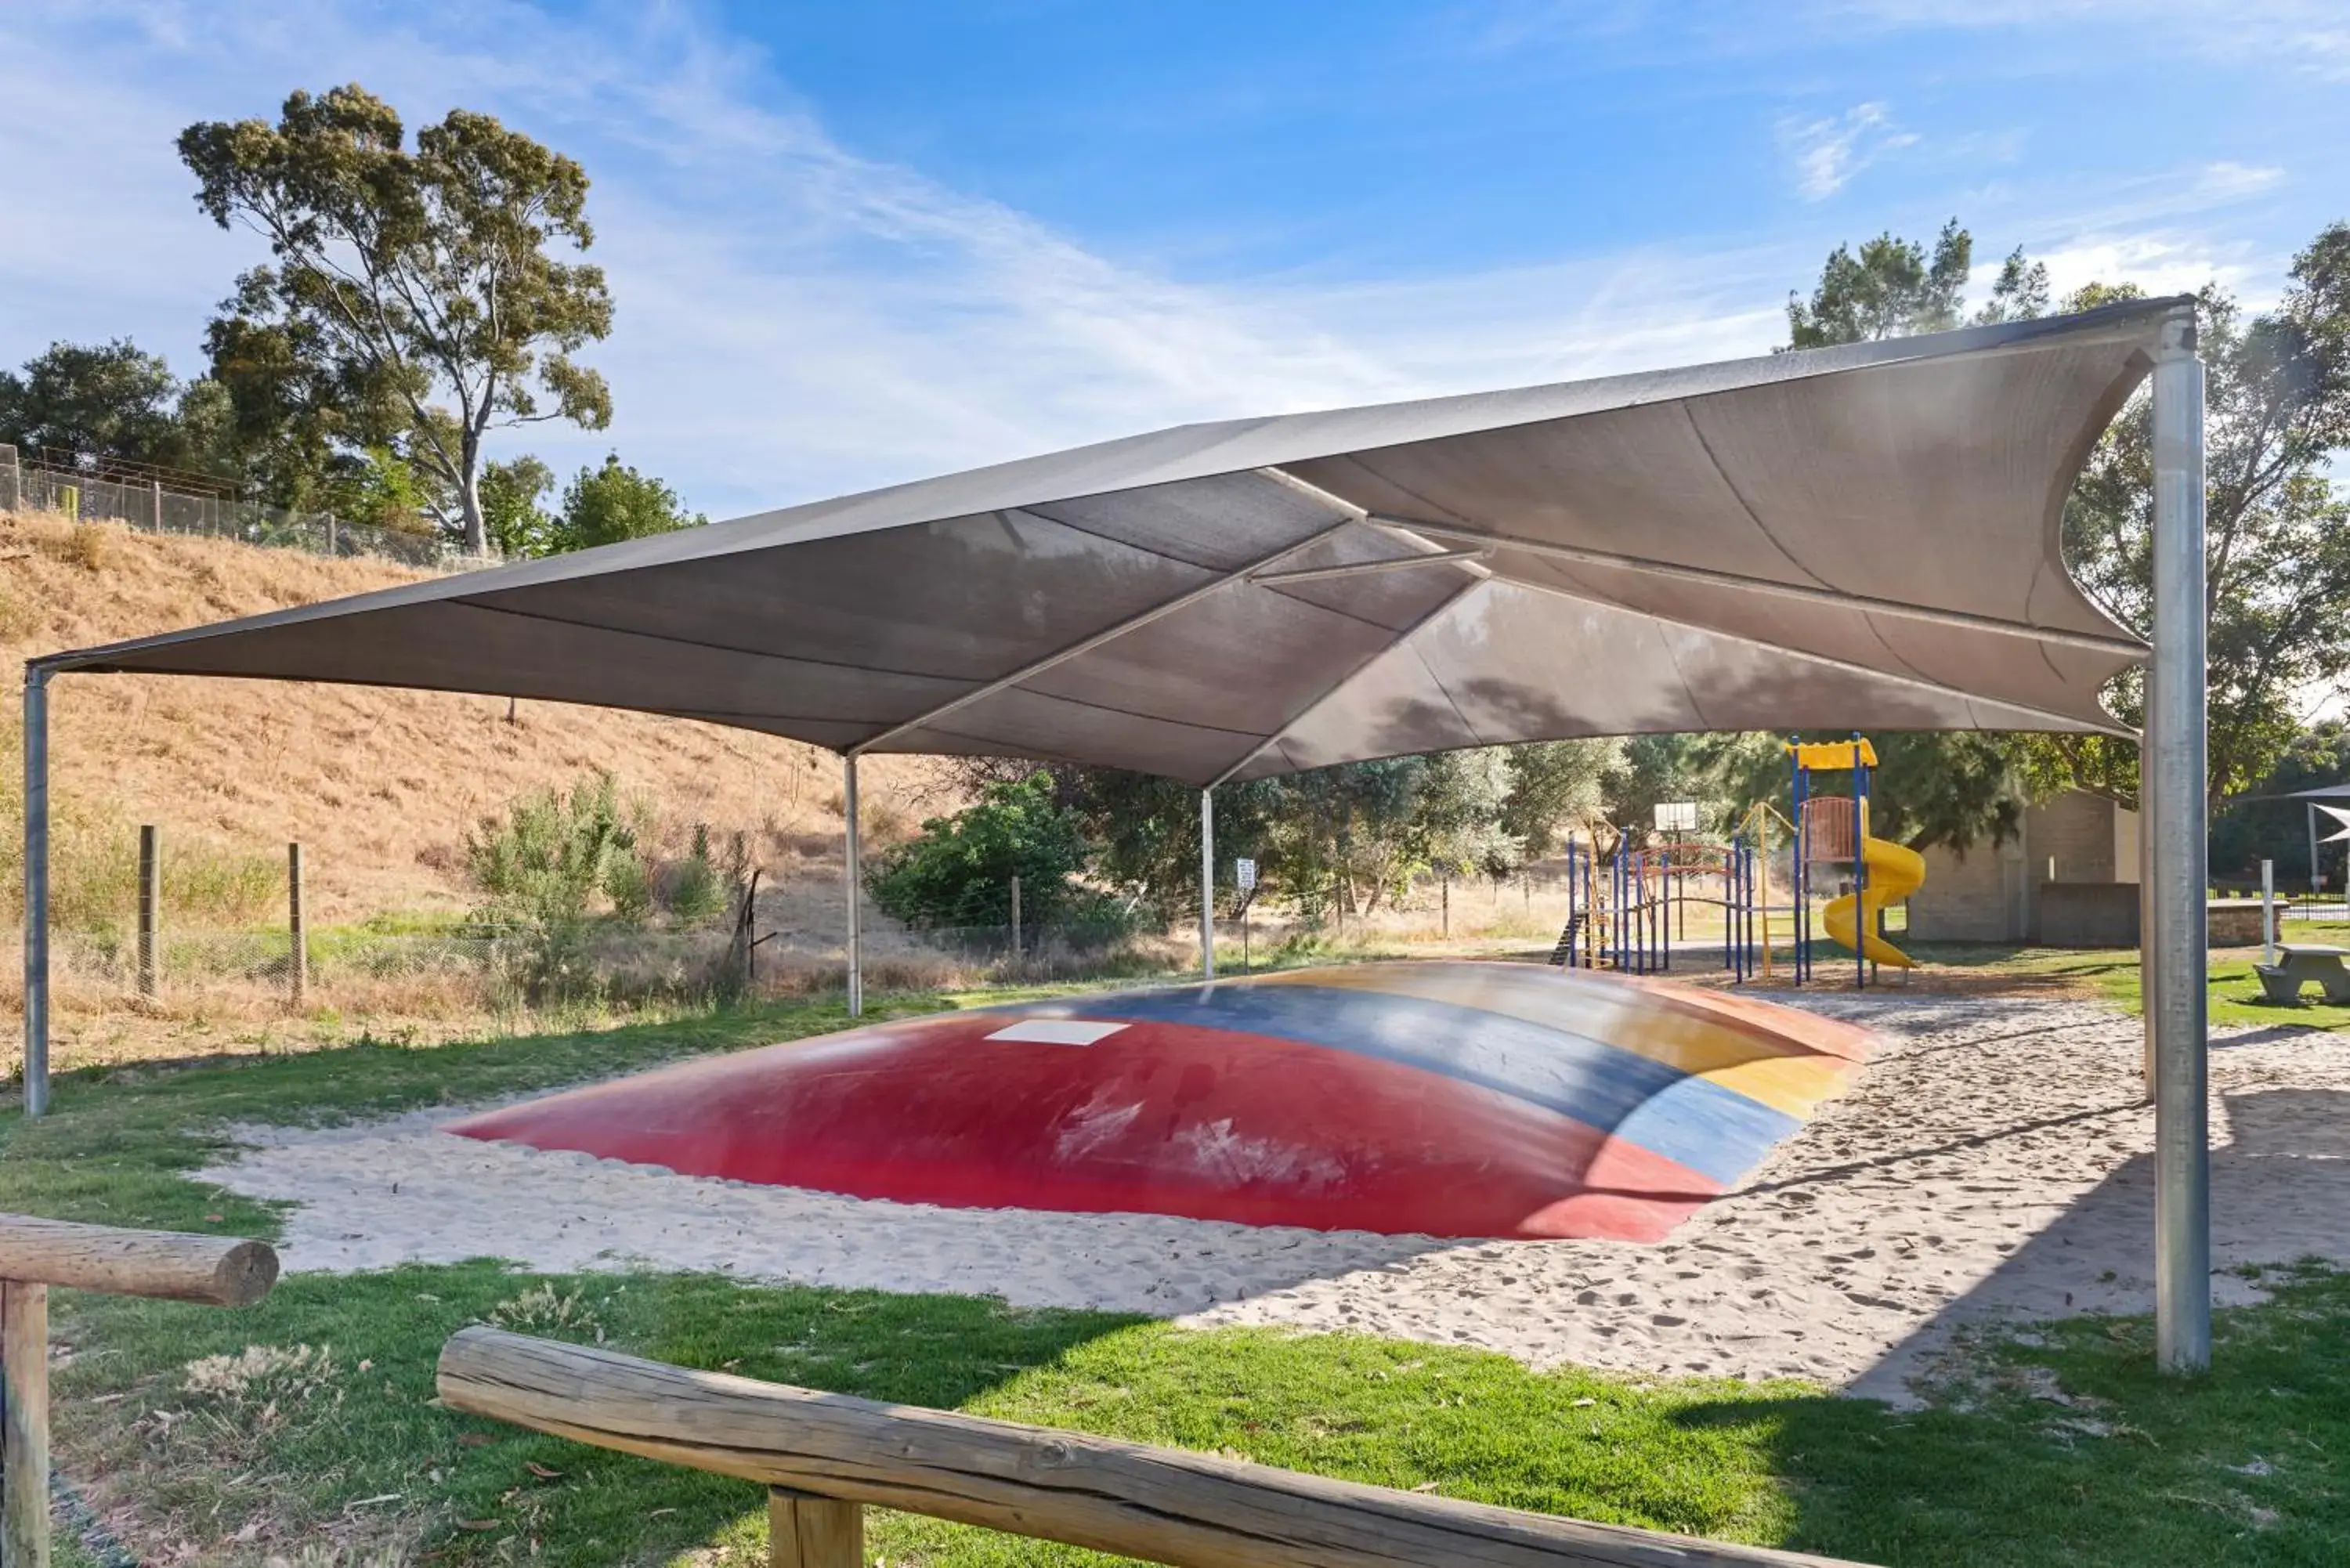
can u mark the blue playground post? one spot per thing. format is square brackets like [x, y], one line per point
[1803, 874]
[1860, 932]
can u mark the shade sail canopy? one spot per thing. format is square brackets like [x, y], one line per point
[1854, 536]
[2322, 791]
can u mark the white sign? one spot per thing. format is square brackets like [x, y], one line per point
[1245, 873]
[1676, 816]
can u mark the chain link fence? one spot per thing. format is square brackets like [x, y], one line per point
[150, 506]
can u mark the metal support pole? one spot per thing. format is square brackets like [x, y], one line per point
[298, 928]
[2268, 912]
[150, 905]
[2175, 749]
[854, 889]
[37, 892]
[2146, 841]
[2313, 856]
[1207, 884]
[1015, 919]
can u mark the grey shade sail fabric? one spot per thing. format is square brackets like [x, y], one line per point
[1861, 537]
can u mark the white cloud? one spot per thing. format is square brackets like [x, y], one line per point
[1826, 153]
[2310, 36]
[796, 320]
[793, 319]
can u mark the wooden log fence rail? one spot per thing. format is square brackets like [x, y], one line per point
[220, 1271]
[825, 1458]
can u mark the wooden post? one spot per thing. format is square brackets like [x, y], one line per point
[151, 902]
[24, 1430]
[38, 1253]
[299, 961]
[1448, 906]
[806, 1531]
[164, 1265]
[1015, 919]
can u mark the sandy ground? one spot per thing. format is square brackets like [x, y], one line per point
[1991, 1162]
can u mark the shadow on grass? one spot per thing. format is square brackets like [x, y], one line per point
[2064, 1446]
[2061, 1444]
[363, 1422]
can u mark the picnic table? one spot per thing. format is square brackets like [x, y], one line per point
[2298, 963]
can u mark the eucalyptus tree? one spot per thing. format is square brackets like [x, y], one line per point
[418, 286]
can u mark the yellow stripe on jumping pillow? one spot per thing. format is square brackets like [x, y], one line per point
[1788, 1079]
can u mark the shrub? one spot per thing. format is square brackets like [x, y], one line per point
[542, 867]
[959, 871]
[696, 891]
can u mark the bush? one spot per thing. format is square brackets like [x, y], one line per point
[542, 868]
[696, 892]
[959, 871]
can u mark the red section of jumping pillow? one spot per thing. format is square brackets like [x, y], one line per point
[1153, 1118]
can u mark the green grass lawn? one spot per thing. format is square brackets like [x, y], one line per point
[307, 1423]
[2112, 974]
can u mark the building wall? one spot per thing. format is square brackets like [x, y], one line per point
[2070, 839]
[1970, 896]
[1992, 892]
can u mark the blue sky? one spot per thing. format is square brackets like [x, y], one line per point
[853, 244]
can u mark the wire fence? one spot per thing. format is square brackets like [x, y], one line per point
[151, 506]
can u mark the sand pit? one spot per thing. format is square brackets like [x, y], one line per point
[1991, 1162]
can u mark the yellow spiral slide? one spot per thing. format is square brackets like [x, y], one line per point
[1894, 872]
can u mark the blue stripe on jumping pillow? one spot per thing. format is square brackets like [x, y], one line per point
[1716, 1132]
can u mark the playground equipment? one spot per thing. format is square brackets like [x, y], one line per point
[1832, 831]
[1440, 1098]
[1626, 911]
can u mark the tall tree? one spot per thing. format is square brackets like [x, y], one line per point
[2279, 528]
[605, 506]
[420, 281]
[1555, 786]
[111, 401]
[511, 491]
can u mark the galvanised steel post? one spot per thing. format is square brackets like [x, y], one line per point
[36, 891]
[856, 936]
[1207, 884]
[2313, 856]
[2146, 893]
[2174, 759]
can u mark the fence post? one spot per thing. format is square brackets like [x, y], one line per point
[155, 490]
[806, 1531]
[1015, 919]
[24, 1427]
[151, 902]
[299, 960]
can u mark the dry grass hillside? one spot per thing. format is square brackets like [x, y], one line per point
[377, 785]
